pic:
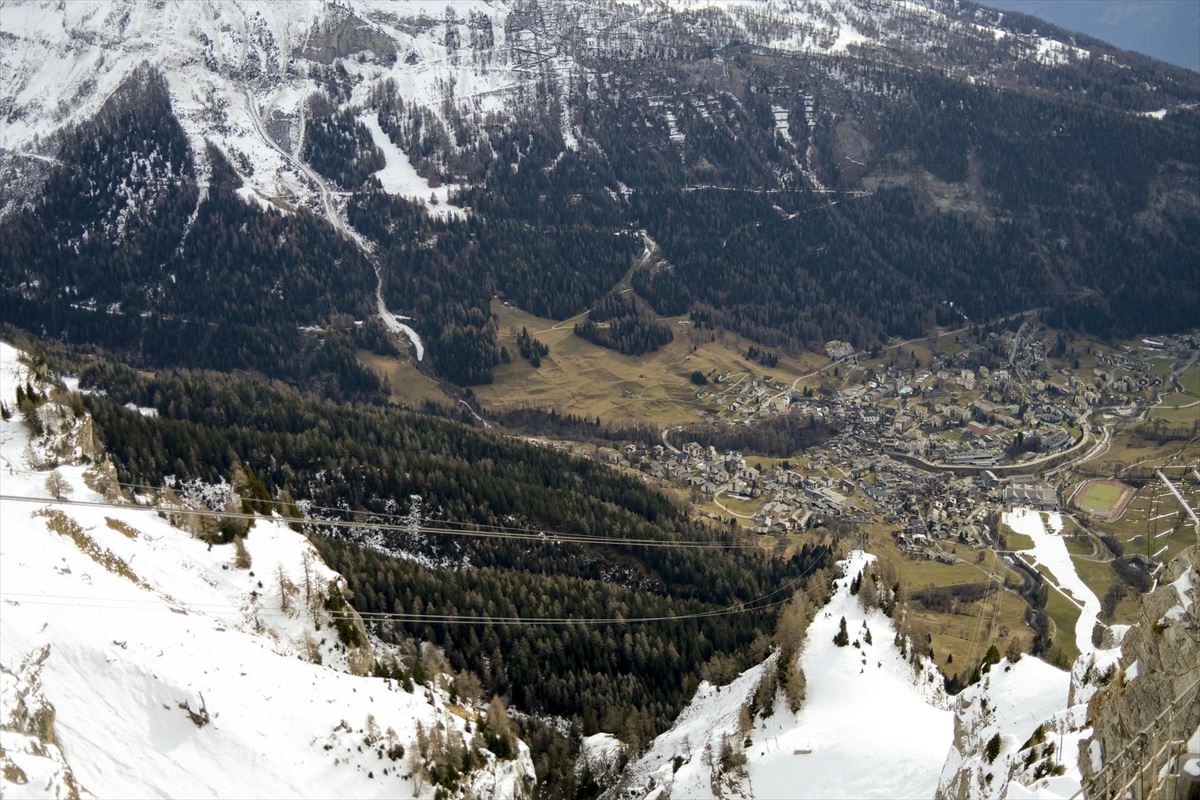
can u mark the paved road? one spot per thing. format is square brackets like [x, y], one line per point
[723, 507]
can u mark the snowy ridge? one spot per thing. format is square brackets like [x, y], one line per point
[161, 666]
[844, 742]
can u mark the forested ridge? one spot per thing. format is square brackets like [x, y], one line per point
[359, 457]
[121, 250]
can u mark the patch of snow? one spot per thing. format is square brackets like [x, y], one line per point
[846, 38]
[398, 176]
[254, 197]
[145, 411]
[394, 324]
[599, 755]
[1183, 587]
[600, 745]
[1050, 551]
[1054, 53]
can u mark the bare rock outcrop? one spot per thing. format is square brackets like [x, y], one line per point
[1160, 659]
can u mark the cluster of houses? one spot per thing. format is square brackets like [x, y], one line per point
[955, 410]
[743, 397]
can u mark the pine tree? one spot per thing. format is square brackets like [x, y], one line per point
[842, 638]
[993, 748]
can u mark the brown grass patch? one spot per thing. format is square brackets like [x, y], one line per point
[61, 524]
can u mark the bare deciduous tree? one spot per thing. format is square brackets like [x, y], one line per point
[57, 485]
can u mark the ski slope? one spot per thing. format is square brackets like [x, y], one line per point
[398, 176]
[1050, 551]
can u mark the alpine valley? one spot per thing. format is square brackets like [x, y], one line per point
[598, 398]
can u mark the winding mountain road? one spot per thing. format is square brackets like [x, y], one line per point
[392, 322]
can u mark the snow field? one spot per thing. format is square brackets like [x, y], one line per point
[398, 176]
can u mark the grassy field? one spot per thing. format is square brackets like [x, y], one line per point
[581, 378]
[1016, 541]
[999, 620]
[1191, 379]
[739, 506]
[1064, 614]
[769, 462]
[1003, 617]
[1177, 409]
[1160, 367]
[1099, 497]
[785, 545]
[407, 386]
[924, 349]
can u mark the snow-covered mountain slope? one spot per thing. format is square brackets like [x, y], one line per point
[872, 725]
[136, 660]
[239, 73]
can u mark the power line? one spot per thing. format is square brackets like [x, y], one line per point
[757, 604]
[475, 527]
[547, 537]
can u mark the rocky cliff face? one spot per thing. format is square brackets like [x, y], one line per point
[30, 757]
[343, 34]
[1160, 658]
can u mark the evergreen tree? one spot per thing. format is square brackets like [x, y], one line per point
[842, 637]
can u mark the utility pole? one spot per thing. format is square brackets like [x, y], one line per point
[413, 520]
